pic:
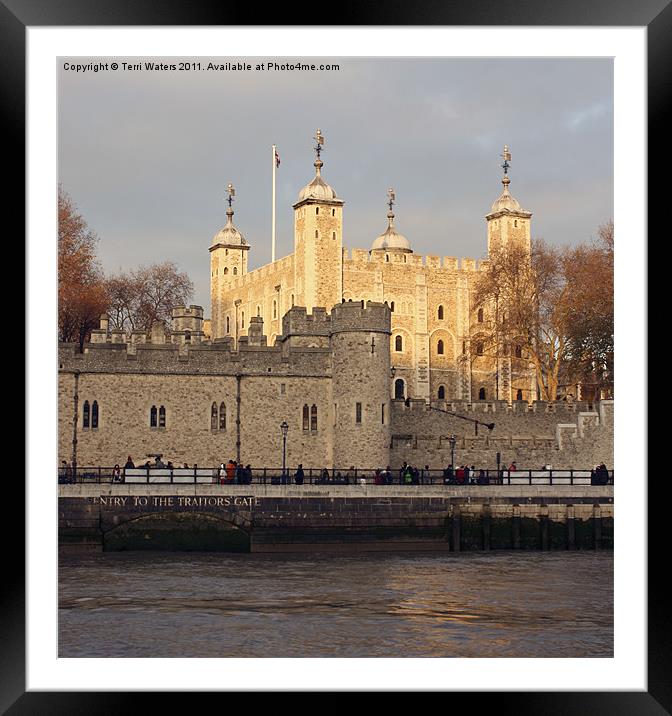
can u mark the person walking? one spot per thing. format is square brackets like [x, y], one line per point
[298, 475]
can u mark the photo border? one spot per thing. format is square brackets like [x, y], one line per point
[16, 16]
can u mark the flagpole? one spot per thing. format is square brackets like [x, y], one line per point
[273, 219]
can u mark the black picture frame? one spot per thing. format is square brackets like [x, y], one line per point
[17, 15]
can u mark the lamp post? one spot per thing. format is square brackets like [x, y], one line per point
[284, 427]
[452, 440]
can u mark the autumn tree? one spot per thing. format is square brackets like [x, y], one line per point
[82, 294]
[147, 295]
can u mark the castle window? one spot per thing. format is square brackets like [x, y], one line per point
[481, 394]
[152, 417]
[480, 315]
[519, 351]
[87, 415]
[392, 307]
[258, 311]
[226, 252]
[162, 417]
[439, 348]
[442, 392]
[335, 414]
[213, 417]
[515, 223]
[399, 389]
[382, 414]
[440, 313]
[187, 336]
[333, 235]
[317, 233]
[226, 270]
[222, 416]
[235, 271]
[228, 325]
[94, 415]
[333, 212]
[275, 309]
[283, 388]
[519, 395]
[358, 413]
[479, 349]
[292, 300]
[306, 417]
[387, 257]
[313, 418]
[398, 344]
[317, 211]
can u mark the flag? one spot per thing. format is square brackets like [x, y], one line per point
[277, 159]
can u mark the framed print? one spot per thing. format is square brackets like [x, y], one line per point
[327, 333]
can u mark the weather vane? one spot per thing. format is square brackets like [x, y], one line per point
[392, 197]
[319, 138]
[231, 192]
[506, 155]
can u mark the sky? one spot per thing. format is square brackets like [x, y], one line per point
[146, 155]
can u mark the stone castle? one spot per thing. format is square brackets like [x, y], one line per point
[350, 337]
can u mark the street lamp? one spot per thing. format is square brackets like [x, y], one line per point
[284, 427]
[452, 440]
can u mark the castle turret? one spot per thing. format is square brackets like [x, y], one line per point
[360, 340]
[508, 222]
[228, 261]
[391, 241]
[318, 232]
[187, 324]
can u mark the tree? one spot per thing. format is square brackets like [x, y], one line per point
[82, 295]
[140, 298]
[557, 304]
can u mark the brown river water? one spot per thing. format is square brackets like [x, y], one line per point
[470, 604]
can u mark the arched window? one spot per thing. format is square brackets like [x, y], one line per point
[313, 417]
[479, 349]
[152, 417]
[306, 417]
[515, 223]
[228, 325]
[519, 351]
[316, 234]
[480, 315]
[398, 344]
[87, 415]
[439, 347]
[333, 212]
[442, 392]
[481, 394]
[222, 416]
[187, 336]
[162, 417]
[399, 389]
[440, 313]
[235, 271]
[275, 309]
[226, 270]
[317, 209]
[333, 235]
[387, 257]
[392, 307]
[213, 417]
[94, 415]
[519, 395]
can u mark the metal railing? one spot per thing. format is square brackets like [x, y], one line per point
[322, 476]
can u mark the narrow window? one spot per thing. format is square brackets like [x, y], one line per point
[382, 414]
[152, 417]
[87, 413]
[479, 349]
[258, 311]
[333, 235]
[481, 394]
[187, 336]
[439, 348]
[515, 223]
[480, 315]
[387, 257]
[162, 417]
[306, 418]
[519, 395]
[398, 344]
[440, 313]
[442, 392]
[358, 412]
[213, 417]
[333, 212]
[226, 270]
[464, 348]
[94, 414]
[313, 418]
[292, 299]
[283, 388]
[316, 234]
[399, 390]
[235, 271]
[392, 307]
[317, 211]
[275, 309]
[519, 351]
[335, 414]
[222, 416]
[228, 325]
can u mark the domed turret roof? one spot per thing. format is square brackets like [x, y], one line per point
[229, 234]
[318, 188]
[391, 240]
[506, 202]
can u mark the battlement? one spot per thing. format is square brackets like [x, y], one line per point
[251, 277]
[297, 321]
[191, 311]
[353, 258]
[361, 316]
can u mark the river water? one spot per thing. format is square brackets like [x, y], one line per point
[470, 604]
